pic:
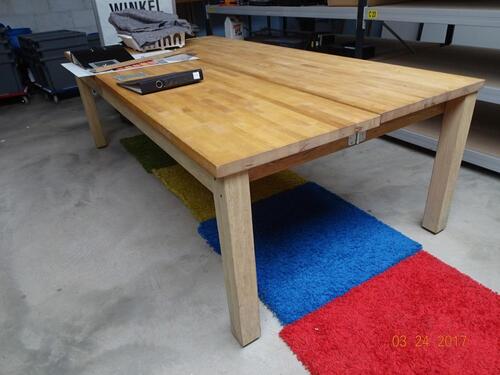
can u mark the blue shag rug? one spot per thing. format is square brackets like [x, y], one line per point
[312, 246]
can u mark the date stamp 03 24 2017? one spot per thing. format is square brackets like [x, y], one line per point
[424, 341]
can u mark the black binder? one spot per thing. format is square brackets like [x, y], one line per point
[162, 82]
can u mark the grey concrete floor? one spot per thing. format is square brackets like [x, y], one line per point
[102, 270]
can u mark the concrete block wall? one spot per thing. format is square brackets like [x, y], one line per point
[45, 15]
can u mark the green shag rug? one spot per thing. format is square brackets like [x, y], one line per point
[147, 152]
[199, 200]
[196, 197]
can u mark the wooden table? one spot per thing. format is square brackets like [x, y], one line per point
[262, 109]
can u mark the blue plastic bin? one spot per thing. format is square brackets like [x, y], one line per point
[12, 35]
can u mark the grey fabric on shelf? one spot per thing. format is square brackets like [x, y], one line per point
[146, 26]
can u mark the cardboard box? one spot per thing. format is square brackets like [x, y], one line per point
[233, 28]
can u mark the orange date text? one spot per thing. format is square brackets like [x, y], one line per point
[425, 341]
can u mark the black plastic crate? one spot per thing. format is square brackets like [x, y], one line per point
[59, 77]
[27, 41]
[7, 57]
[10, 82]
[60, 39]
[51, 75]
[4, 46]
[349, 49]
[57, 53]
[37, 73]
[94, 40]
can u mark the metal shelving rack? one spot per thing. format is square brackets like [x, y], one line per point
[482, 13]
[310, 11]
[473, 61]
[466, 13]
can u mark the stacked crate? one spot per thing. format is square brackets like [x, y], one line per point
[94, 40]
[10, 82]
[43, 53]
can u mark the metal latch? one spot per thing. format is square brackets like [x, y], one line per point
[357, 138]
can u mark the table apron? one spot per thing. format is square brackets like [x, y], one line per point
[317, 152]
[190, 165]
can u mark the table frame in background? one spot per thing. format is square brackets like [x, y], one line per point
[232, 192]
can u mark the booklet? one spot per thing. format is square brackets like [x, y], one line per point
[162, 82]
[80, 72]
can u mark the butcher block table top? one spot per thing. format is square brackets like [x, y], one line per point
[261, 109]
[259, 103]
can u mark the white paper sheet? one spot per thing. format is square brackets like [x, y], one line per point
[140, 55]
[79, 72]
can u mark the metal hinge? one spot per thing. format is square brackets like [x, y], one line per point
[357, 138]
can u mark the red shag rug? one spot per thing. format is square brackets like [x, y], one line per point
[419, 317]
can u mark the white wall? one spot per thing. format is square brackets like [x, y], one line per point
[487, 37]
[45, 15]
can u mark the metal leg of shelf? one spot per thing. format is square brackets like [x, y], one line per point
[249, 25]
[450, 32]
[268, 25]
[339, 26]
[369, 25]
[398, 37]
[360, 28]
[285, 25]
[420, 31]
[208, 24]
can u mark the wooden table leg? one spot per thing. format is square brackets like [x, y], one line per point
[89, 105]
[234, 222]
[454, 131]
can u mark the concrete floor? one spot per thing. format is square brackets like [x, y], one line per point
[102, 270]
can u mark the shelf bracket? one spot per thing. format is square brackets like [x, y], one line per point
[357, 138]
[406, 45]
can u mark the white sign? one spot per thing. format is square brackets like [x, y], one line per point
[233, 28]
[103, 8]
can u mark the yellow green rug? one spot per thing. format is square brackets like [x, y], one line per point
[197, 198]
[147, 152]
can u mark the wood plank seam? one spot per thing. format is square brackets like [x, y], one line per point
[323, 150]
[421, 102]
